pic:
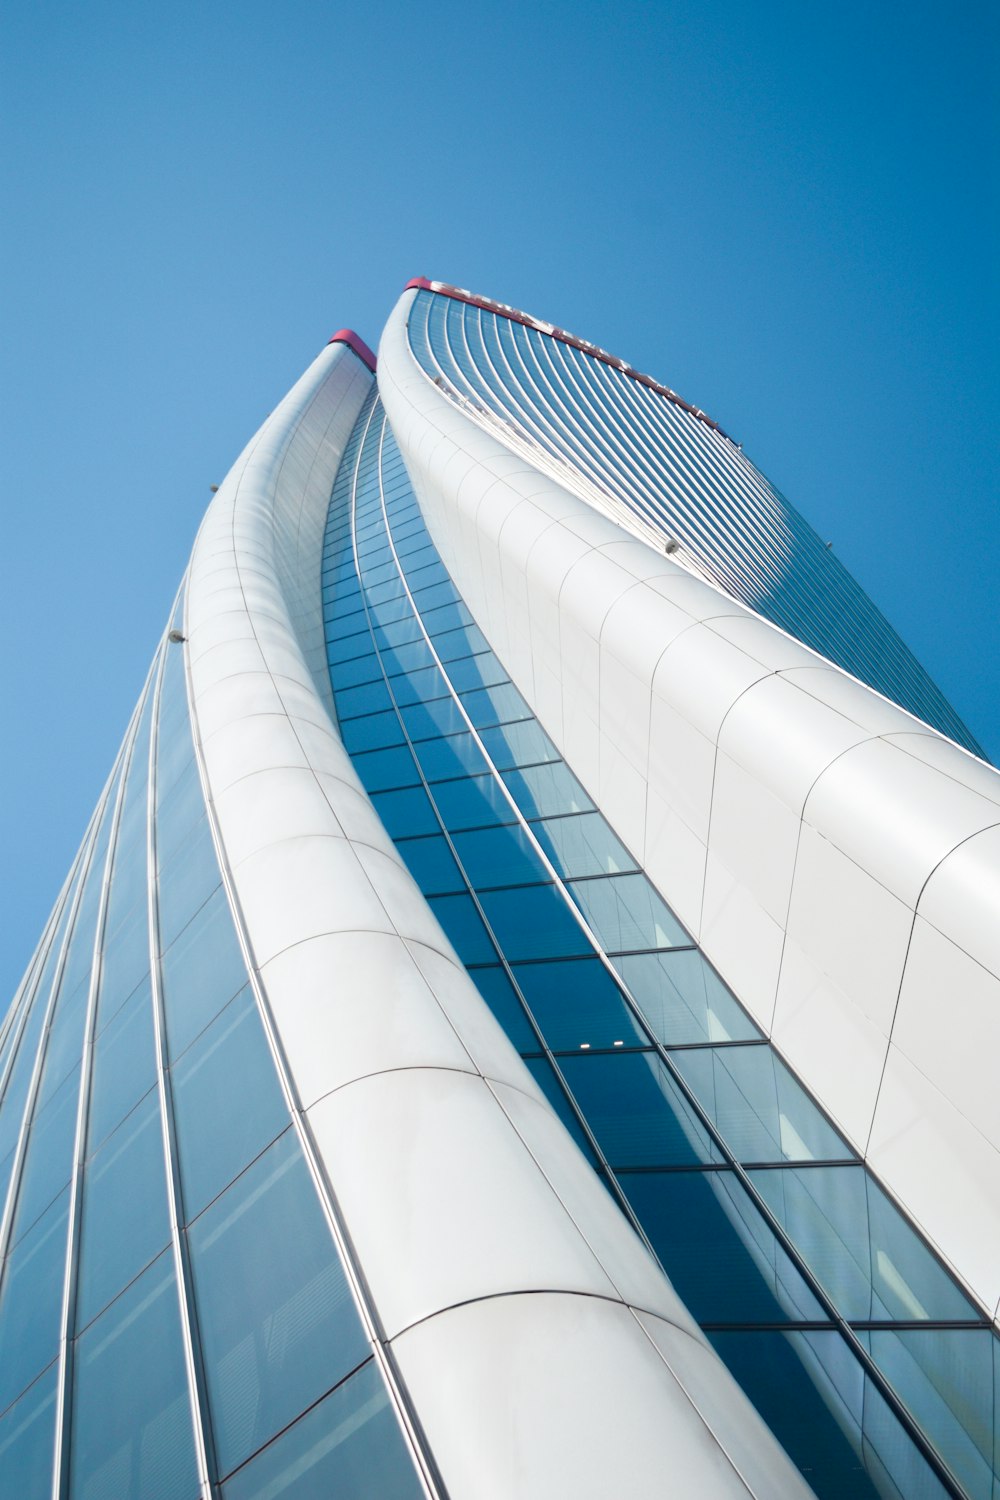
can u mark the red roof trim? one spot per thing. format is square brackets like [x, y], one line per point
[350, 338]
[421, 283]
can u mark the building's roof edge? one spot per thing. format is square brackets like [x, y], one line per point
[421, 283]
[350, 338]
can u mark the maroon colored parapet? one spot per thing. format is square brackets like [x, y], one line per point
[421, 284]
[350, 338]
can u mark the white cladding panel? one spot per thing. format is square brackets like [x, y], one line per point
[438, 1144]
[794, 819]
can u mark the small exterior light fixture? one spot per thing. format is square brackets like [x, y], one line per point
[176, 636]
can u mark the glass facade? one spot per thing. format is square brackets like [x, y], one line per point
[819, 1295]
[183, 1310]
[147, 1208]
[682, 481]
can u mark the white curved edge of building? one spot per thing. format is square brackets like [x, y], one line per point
[541, 1348]
[837, 859]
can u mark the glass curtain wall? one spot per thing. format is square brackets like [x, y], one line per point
[175, 1319]
[866, 1359]
[686, 481]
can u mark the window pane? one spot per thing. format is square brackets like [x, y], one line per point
[407, 812]
[521, 744]
[419, 686]
[216, 1134]
[501, 997]
[27, 1441]
[380, 770]
[862, 1250]
[48, 1161]
[464, 927]
[31, 1301]
[499, 856]
[184, 885]
[583, 845]
[125, 1215]
[124, 1065]
[547, 791]
[683, 999]
[636, 1111]
[833, 1423]
[430, 862]
[717, 1250]
[476, 672]
[625, 912]
[278, 1325]
[495, 705]
[578, 1005]
[202, 969]
[534, 922]
[349, 1446]
[472, 802]
[542, 1072]
[456, 755]
[372, 732]
[131, 1416]
[947, 1379]
[761, 1111]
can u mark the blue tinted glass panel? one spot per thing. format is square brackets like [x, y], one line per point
[426, 720]
[583, 845]
[185, 884]
[636, 1111]
[501, 997]
[464, 927]
[499, 856]
[278, 1325]
[27, 1442]
[349, 1447]
[430, 862]
[372, 733]
[476, 672]
[759, 1108]
[859, 1246]
[31, 1301]
[405, 813]
[683, 1000]
[534, 922]
[125, 1215]
[124, 1066]
[543, 1074]
[131, 1432]
[578, 1005]
[547, 791]
[457, 755]
[48, 1161]
[524, 744]
[202, 969]
[473, 802]
[217, 1135]
[380, 770]
[626, 913]
[947, 1379]
[828, 1416]
[496, 705]
[722, 1258]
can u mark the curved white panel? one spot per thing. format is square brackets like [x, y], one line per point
[795, 820]
[454, 1180]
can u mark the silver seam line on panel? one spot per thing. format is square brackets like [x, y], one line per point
[424, 1462]
[543, 1047]
[864, 1358]
[64, 1409]
[201, 1427]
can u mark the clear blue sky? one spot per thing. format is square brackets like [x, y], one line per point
[786, 211]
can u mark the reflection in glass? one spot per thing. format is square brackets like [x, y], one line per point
[578, 1005]
[278, 1325]
[762, 1112]
[636, 1111]
[349, 1447]
[131, 1430]
[683, 1000]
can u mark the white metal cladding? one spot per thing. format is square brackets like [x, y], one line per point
[517, 1303]
[836, 858]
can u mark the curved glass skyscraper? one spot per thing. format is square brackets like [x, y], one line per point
[521, 1019]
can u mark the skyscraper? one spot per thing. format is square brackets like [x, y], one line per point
[506, 709]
